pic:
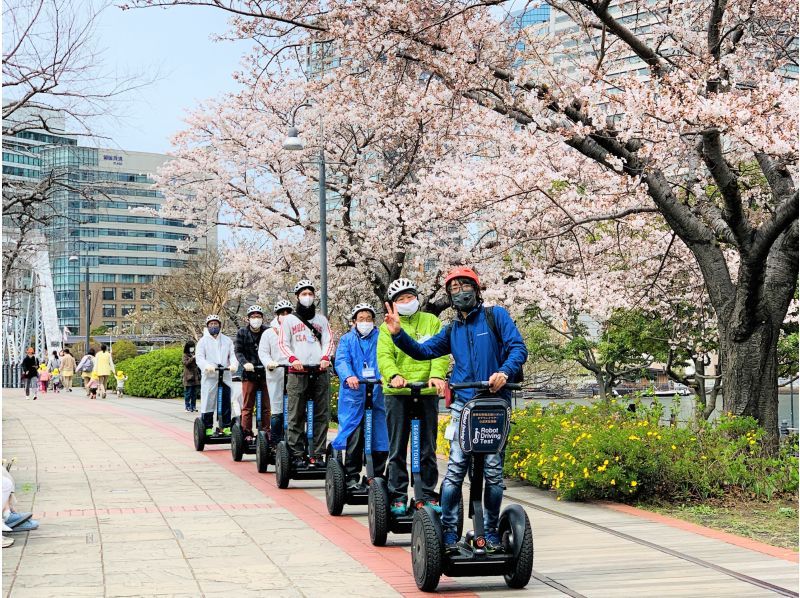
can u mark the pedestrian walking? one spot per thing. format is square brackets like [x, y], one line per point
[191, 378]
[44, 377]
[67, 369]
[103, 367]
[54, 362]
[30, 373]
[85, 367]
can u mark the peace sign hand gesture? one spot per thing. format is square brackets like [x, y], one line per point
[392, 318]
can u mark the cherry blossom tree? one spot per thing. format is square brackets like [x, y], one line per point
[590, 184]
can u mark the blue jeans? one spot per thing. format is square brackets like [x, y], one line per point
[190, 396]
[457, 468]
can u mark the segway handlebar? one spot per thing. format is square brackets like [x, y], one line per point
[372, 381]
[483, 385]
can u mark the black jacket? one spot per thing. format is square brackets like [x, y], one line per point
[245, 347]
[30, 366]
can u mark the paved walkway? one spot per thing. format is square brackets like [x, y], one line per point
[128, 508]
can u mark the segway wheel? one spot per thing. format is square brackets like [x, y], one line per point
[262, 452]
[237, 442]
[335, 488]
[521, 568]
[378, 512]
[426, 549]
[282, 465]
[199, 435]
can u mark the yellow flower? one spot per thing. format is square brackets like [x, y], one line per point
[555, 457]
[516, 437]
[674, 447]
[704, 458]
[613, 482]
[605, 462]
[634, 483]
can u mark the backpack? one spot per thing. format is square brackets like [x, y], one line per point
[88, 366]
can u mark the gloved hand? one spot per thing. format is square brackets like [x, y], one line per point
[233, 367]
[209, 369]
[249, 367]
[272, 365]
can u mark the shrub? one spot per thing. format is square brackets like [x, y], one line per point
[158, 374]
[604, 451]
[334, 403]
[123, 350]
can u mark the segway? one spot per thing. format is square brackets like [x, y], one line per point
[483, 430]
[381, 519]
[312, 468]
[219, 436]
[336, 492]
[239, 446]
[265, 446]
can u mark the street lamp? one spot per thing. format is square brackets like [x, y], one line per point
[293, 142]
[76, 259]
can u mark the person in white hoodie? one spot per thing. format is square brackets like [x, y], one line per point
[215, 349]
[305, 339]
[270, 355]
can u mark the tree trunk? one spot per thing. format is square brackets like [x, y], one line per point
[749, 378]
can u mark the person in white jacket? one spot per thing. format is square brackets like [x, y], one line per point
[271, 357]
[305, 339]
[215, 349]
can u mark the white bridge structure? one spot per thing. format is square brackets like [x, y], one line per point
[30, 318]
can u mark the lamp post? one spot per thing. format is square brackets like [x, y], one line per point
[75, 258]
[294, 143]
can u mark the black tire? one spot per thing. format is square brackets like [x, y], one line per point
[237, 442]
[283, 466]
[335, 487]
[426, 549]
[378, 512]
[521, 567]
[262, 452]
[199, 435]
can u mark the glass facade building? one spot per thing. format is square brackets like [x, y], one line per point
[103, 210]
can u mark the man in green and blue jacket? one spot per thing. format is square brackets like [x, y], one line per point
[398, 369]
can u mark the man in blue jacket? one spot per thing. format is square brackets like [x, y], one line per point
[481, 351]
[357, 358]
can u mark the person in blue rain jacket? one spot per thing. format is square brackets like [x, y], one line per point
[356, 358]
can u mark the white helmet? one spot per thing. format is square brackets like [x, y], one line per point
[362, 307]
[255, 309]
[304, 284]
[282, 304]
[399, 286]
[213, 317]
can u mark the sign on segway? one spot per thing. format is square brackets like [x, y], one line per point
[484, 428]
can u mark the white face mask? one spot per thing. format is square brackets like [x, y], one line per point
[256, 322]
[364, 328]
[306, 300]
[408, 309]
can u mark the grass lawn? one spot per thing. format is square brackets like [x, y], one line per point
[774, 522]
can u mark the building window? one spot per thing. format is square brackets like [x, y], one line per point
[145, 294]
[128, 309]
[110, 324]
[127, 278]
[129, 294]
[109, 311]
[145, 308]
[109, 293]
[146, 278]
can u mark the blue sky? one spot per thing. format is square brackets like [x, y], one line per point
[176, 44]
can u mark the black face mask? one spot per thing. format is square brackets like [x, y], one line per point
[305, 313]
[464, 301]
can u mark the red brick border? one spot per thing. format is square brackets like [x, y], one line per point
[755, 545]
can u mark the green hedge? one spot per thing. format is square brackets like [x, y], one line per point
[158, 374]
[605, 452]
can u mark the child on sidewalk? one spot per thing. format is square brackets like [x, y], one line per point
[44, 378]
[56, 380]
[93, 384]
[121, 377]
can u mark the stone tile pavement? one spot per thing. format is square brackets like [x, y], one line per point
[128, 508]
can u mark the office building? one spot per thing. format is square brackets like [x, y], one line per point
[102, 211]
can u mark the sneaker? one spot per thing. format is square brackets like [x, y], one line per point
[209, 431]
[450, 541]
[27, 526]
[226, 431]
[15, 519]
[7, 542]
[35, 397]
[493, 543]
[399, 508]
[434, 504]
[299, 463]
